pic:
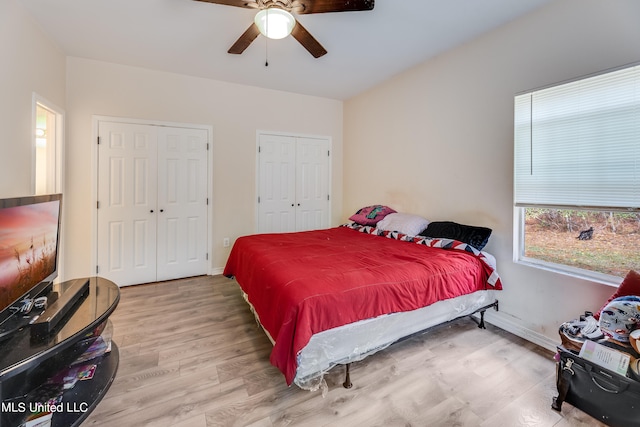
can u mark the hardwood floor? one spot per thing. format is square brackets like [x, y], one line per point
[191, 354]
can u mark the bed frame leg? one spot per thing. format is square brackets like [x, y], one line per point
[481, 323]
[347, 377]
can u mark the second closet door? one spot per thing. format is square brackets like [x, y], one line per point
[293, 174]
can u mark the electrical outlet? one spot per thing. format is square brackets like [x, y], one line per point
[225, 242]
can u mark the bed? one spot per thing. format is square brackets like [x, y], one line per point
[335, 296]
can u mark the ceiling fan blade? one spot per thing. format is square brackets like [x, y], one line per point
[249, 4]
[245, 40]
[306, 39]
[324, 6]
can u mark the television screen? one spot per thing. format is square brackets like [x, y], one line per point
[29, 234]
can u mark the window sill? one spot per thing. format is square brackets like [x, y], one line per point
[592, 276]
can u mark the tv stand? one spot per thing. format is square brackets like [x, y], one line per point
[17, 320]
[11, 326]
[28, 363]
[54, 313]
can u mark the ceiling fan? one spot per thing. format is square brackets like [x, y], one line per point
[271, 11]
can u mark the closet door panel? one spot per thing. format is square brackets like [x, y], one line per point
[312, 183]
[182, 203]
[277, 187]
[127, 200]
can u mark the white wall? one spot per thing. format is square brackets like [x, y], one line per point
[234, 111]
[437, 140]
[29, 63]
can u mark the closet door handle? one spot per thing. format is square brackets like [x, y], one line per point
[151, 211]
[161, 210]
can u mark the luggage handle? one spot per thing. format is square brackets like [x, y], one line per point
[623, 386]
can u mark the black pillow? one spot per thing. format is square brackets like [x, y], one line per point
[474, 236]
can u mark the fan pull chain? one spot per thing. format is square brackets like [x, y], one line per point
[266, 43]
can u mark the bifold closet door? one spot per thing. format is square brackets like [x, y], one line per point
[182, 202]
[293, 188]
[127, 202]
[312, 184]
[277, 184]
[152, 202]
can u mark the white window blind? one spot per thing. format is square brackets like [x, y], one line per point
[578, 144]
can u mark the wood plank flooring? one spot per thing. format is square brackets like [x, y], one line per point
[191, 354]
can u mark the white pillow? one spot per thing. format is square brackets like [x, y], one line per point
[404, 223]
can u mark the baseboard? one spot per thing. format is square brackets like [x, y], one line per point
[216, 271]
[502, 322]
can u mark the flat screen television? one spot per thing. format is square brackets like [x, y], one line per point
[29, 249]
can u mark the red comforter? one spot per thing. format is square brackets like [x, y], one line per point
[307, 282]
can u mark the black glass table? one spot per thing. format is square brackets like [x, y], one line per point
[29, 362]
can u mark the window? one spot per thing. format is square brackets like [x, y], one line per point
[45, 151]
[47, 147]
[577, 167]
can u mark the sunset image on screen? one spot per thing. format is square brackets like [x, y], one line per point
[28, 239]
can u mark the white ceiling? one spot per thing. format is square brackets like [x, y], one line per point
[191, 37]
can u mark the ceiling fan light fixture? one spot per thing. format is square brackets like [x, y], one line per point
[275, 23]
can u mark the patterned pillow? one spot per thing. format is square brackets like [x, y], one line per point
[478, 237]
[404, 223]
[370, 215]
[620, 317]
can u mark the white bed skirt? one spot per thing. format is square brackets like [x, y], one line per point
[355, 341]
